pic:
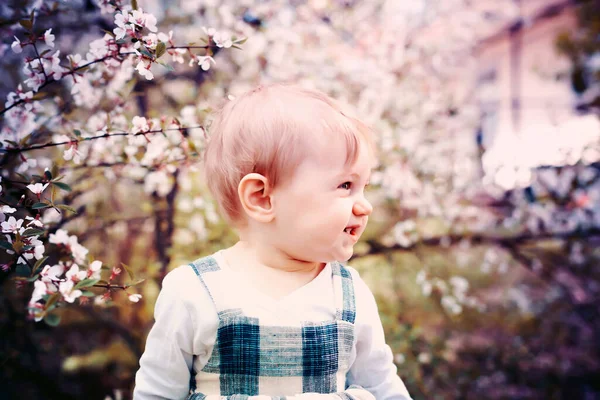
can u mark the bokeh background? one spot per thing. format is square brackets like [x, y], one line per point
[483, 247]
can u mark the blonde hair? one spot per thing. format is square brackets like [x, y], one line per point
[270, 131]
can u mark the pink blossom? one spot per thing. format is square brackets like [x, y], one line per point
[123, 25]
[209, 31]
[164, 38]
[150, 21]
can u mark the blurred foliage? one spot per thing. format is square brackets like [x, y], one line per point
[582, 46]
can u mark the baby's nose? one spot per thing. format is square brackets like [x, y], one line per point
[362, 207]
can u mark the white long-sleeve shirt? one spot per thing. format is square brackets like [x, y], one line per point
[186, 325]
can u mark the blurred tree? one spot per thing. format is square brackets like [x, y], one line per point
[583, 49]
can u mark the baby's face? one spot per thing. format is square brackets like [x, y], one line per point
[321, 211]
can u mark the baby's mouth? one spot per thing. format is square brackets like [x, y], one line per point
[351, 230]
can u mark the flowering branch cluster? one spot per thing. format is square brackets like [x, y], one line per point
[56, 263]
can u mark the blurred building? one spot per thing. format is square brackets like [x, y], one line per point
[529, 110]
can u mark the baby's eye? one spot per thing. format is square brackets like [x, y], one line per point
[346, 185]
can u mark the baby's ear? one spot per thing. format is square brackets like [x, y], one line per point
[255, 196]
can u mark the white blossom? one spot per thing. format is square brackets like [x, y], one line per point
[75, 274]
[143, 67]
[60, 237]
[66, 289]
[222, 40]
[49, 38]
[204, 62]
[450, 304]
[79, 252]
[134, 298]
[16, 46]
[37, 188]
[39, 290]
[139, 125]
[95, 269]
[12, 225]
[34, 222]
[71, 153]
[7, 209]
[52, 273]
[459, 283]
[424, 358]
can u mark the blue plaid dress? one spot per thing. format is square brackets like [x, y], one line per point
[250, 359]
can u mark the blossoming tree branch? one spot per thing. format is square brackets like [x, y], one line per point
[60, 269]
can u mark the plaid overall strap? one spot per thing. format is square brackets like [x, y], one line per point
[246, 352]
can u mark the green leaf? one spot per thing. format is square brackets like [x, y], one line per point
[27, 24]
[66, 208]
[53, 299]
[33, 278]
[52, 319]
[136, 282]
[241, 41]
[235, 46]
[134, 4]
[129, 271]
[55, 171]
[22, 270]
[86, 283]
[77, 132]
[24, 177]
[6, 245]
[87, 293]
[39, 96]
[145, 52]
[33, 232]
[110, 33]
[63, 186]
[161, 48]
[39, 264]
[167, 66]
[37, 206]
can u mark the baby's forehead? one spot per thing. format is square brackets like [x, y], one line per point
[333, 155]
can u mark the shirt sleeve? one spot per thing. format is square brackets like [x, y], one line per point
[165, 365]
[373, 368]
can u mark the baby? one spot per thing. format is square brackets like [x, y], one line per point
[276, 316]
